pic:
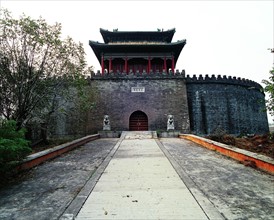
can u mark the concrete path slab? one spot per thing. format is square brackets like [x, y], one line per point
[140, 183]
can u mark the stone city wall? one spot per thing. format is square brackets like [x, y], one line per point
[229, 104]
[200, 105]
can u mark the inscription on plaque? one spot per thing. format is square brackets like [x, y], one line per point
[137, 89]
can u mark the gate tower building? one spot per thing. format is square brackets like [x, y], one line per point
[138, 87]
[133, 52]
[137, 82]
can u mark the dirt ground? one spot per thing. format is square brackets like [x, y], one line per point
[262, 144]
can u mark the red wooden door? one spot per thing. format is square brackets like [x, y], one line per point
[138, 121]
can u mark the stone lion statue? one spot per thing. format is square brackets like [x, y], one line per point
[106, 123]
[170, 122]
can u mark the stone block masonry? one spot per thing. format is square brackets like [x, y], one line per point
[157, 97]
[234, 106]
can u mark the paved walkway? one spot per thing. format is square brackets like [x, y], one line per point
[58, 188]
[141, 183]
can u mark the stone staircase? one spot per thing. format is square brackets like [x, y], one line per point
[139, 135]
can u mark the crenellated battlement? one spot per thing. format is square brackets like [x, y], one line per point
[223, 80]
[231, 80]
[138, 75]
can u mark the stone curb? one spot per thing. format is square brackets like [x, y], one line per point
[255, 160]
[40, 157]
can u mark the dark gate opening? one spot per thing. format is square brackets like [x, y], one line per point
[138, 121]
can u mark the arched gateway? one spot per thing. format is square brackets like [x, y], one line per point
[138, 121]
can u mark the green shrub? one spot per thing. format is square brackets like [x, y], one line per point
[271, 136]
[13, 145]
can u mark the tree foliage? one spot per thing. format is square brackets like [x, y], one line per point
[13, 146]
[269, 88]
[37, 67]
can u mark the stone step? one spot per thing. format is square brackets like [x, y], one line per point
[138, 134]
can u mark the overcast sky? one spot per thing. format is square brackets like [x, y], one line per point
[223, 37]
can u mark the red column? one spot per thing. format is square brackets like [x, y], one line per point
[149, 65]
[110, 65]
[172, 68]
[126, 64]
[102, 64]
[165, 64]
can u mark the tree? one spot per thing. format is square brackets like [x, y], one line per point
[269, 88]
[37, 67]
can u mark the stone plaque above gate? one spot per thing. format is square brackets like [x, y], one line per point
[137, 89]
